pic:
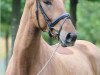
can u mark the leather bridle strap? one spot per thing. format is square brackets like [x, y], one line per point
[37, 16]
[47, 20]
[53, 23]
[64, 16]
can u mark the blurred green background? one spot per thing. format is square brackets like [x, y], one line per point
[87, 23]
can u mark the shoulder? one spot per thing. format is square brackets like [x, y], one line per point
[92, 52]
[86, 44]
[88, 48]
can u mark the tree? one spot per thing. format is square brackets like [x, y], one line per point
[73, 10]
[16, 6]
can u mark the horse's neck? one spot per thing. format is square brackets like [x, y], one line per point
[28, 45]
[28, 36]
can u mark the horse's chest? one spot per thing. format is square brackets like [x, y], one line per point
[64, 70]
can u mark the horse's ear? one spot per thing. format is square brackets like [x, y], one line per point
[29, 3]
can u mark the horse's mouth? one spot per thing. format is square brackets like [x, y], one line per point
[66, 44]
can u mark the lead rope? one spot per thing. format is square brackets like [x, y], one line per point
[46, 64]
[52, 53]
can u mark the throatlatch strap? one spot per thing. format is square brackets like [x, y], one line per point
[37, 16]
[47, 20]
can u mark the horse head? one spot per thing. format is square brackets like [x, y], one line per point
[51, 16]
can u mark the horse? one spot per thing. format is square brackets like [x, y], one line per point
[33, 56]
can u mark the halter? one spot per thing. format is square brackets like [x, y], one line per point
[50, 24]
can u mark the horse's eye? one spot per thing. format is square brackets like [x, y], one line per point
[47, 2]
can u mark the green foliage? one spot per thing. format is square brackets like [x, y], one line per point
[94, 0]
[4, 28]
[6, 11]
[67, 6]
[50, 40]
[22, 5]
[88, 24]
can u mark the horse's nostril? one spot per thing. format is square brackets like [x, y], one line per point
[71, 37]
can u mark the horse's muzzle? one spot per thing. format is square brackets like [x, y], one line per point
[69, 40]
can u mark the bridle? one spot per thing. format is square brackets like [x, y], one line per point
[50, 24]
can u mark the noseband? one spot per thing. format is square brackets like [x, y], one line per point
[50, 23]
